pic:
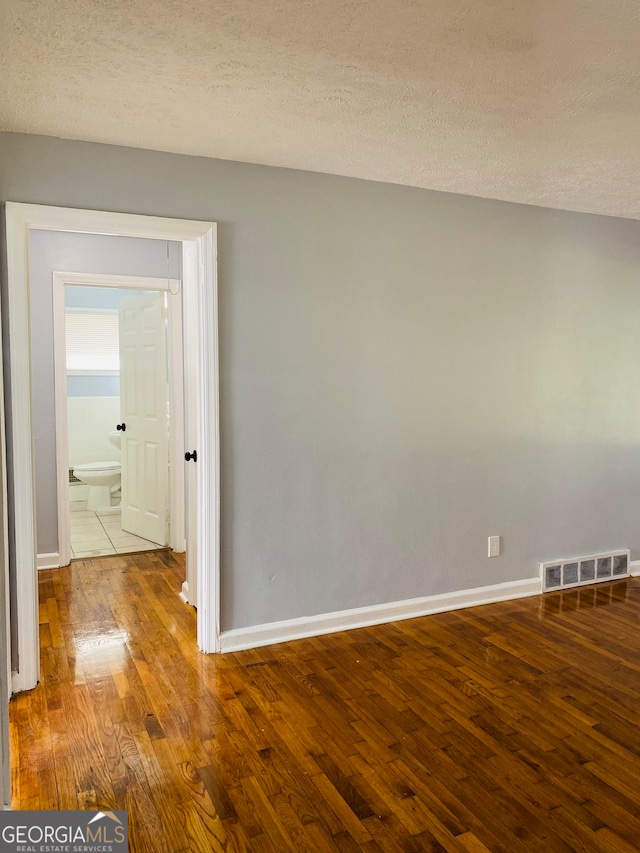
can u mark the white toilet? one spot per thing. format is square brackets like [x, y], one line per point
[102, 479]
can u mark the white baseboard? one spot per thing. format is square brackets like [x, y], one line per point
[377, 614]
[18, 683]
[48, 561]
[184, 592]
[634, 568]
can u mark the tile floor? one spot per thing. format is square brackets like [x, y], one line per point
[98, 534]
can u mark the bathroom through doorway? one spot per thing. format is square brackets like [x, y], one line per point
[119, 414]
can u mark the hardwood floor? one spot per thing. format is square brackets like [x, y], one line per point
[507, 727]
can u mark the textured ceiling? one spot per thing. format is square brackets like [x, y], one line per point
[533, 101]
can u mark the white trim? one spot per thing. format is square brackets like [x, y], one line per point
[198, 236]
[634, 568]
[190, 315]
[175, 353]
[5, 616]
[208, 446]
[176, 398]
[123, 282]
[184, 592]
[23, 486]
[5, 637]
[49, 561]
[377, 614]
[60, 410]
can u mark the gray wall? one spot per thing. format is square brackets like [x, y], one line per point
[403, 373]
[51, 251]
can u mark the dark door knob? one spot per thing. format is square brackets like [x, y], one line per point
[188, 456]
[121, 426]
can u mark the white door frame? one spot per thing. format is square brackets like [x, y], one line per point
[175, 359]
[199, 276]
[5, 638]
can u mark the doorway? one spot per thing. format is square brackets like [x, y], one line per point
[199, 288]
[120, 411]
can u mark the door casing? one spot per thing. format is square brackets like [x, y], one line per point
[199, 277]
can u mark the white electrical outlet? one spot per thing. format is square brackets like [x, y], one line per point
[494, 546]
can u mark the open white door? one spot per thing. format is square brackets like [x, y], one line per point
[143, 410]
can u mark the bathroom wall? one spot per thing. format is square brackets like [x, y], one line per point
[91, 419]
[93, 400]
[94, 385]
[51, 251]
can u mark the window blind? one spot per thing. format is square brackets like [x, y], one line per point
[92, 342]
